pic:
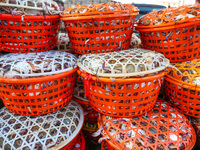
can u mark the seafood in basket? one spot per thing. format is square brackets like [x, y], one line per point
[173, 32]
[163, 128]
[124, 83]
[28, 25]
[35, 84]
[79, 95]
[64, 43]
[100, 28]
[29, 7]
[57, 130]
[182, 87]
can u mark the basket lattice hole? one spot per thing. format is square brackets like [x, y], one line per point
[191, 29]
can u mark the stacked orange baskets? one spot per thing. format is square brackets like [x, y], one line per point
[125, 83]
[36, 83]
[175, 33]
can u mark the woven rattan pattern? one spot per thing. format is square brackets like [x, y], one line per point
[28, 65]
[161, 128]
[50, 131]
[132, 62]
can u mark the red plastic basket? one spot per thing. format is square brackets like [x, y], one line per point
[27, 34]
[77, 144]
[30, 97]
[164, 127]
[100, 32]
[122, 97]
[177, 40]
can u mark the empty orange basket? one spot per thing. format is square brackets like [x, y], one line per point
[100, 28]
[27, 34]
[173, 32]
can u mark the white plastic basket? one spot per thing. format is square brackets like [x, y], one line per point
[27, 65]
[132, 62]
[52, 131]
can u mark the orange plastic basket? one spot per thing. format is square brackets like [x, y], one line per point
[30, 97]
[196, 125]
[100, 31]
[183, 90]
[106, 146]
[122, 97]
[161, 128]
[27, 34]
[177, 39]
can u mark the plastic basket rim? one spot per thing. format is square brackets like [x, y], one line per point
[80, 98]
[38, 79]
[107, 79]
[75, 133]
[30, 17]
[163, 28]
[170, 24]
[182, 83]
[67, 18]
[190, 146]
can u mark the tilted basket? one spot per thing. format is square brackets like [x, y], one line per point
[173, 32]
[63, 43]
[28, 25]
[36, 84]
[79, 95]
[100, 28]
[164, 127]
[182, 87]
[57, 130]
[125, 83]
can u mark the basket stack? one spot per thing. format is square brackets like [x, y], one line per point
[36, 83]
[90, 123]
